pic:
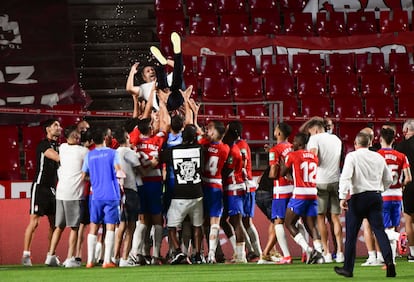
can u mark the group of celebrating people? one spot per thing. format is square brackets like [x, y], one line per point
[162, 169]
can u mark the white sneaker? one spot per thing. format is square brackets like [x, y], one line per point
[126, 263]
[371, 262]
[340, 257]
[176, 42]
[71, 263]
[26, 261]
[211, 258]
[52, 260]
[328, 258]
[157, 54]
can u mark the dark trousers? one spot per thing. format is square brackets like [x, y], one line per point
[365, 205]
[175, 100]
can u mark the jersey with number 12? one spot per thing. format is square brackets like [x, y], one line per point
[303, 164]
[215, 156]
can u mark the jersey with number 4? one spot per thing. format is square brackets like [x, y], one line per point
[215, 156]
[303, 164]
[396, 162]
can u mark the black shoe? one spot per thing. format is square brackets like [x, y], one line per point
[343, 272]
[197, 259]
[315, 257]
[391, 270]
[178, 258]
[410, 258]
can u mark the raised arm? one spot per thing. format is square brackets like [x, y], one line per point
[130, 88]
[165, 119]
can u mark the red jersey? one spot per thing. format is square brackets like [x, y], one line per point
[147, 149]
[247, 165]
[396, 162]
[303, 164]
[282, 187]
[234, 182]
[215, 155]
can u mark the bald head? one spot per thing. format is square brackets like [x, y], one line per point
[369, 132]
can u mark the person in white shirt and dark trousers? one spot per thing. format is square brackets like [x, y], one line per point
[365, 175]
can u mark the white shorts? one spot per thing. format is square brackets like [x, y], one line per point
[180, 208]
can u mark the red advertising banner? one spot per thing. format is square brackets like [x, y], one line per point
[36, 56]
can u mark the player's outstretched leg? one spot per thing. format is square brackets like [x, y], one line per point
[176, 42]
[157, 54]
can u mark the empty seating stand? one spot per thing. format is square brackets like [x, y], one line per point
[10, 164]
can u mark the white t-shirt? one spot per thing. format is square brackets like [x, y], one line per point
[146, 91]
[70, 185]
[329, 148]
[129, 160]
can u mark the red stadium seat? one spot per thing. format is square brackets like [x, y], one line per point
[247, 88]
[261, 5]
[212, 66]
[204, 24]
[10, 164]
[223, 111]
[274, 64]
[307, 63]
[361, 23]
[255, 132]
[340, 63]
[31, 137]
[167, 22]
[168, 5]
[311, 85]
[231, 6]
[292, 5]
[315, 106]
[370, 63]
[330, 24]
[216, 89]
[265, 22]
[404, 91]
[281, 88]
[242, 65]
[343, 89]
[190, 64]
[234, 24]
[191, 79]
[375, 90]
[251, 111]
[197, 7]
[393, 21]
[401, 63]
[299, 24]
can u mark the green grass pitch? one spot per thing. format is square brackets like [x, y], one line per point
[206, 272]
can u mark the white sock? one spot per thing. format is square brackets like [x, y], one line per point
[302, 231]
[213, 237]
[135, 238]
[254, 239]
[109, 245]
[91, 247]
[300, 240]
[393, 244]
[157, 241]
[412, 250]
[139, 239]
[26, 253]
[232, 240]
[317, 245]
[240, 251]
[379, 256]
[281, 239]
[372, 254]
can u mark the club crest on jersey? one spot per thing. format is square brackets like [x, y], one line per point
[188, 172]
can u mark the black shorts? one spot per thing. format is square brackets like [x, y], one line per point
[408, 199]
[264, 202]
[130, 209]
[85, 217]
[43, 200]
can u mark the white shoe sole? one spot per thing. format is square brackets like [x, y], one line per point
[176, 42]
[157, 54]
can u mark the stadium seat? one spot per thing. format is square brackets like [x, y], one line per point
[307, 63]
[251, 111]
[265, 22]
[255, 132]
[190, 63]
[370, 63]
[247, 88]
[234, 24]
[315, 106]
[299, 24]
[274, 64]
[310, 84]
[242, 65]
[395, 20]
[191, 79]
[204, 24]
[404, 92]
[330, 24]
[400, 63]
[262, 5]
[281, 88]
[343, 89]
[197, 7]
[340, 63]
[223, 111]
[168, 5]
[31, 137]
[167, 22]
[212, 66]
[375, 90]
[361, 23]
[231, 6]
[216, 89]
[292, 5]
[10, 164]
